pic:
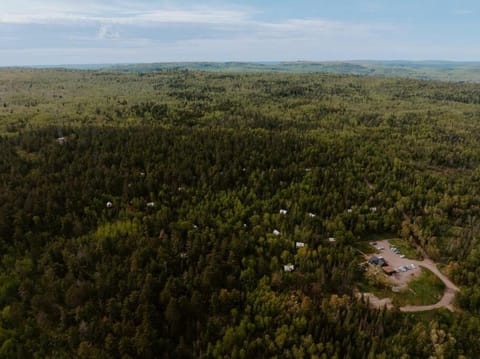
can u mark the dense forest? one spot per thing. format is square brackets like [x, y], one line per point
[432, 70]
[150, 215]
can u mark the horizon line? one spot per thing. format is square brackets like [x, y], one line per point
[108, 64]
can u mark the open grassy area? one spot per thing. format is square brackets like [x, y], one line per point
[431, 315]
[426, 289]
[406, 248]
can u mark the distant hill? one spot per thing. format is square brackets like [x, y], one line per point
[431, 70]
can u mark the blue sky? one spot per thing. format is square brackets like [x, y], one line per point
[42, 32]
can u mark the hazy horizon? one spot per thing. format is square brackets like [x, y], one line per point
[268, 62]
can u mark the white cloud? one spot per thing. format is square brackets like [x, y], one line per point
[463, 12]
[106, 32]
[207, 16]
[306, 28]
[145, 32]
[134, 20]
[66, 13]
[141, 14]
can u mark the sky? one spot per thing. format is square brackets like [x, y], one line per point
[53, 32]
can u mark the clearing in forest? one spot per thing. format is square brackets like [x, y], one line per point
[412, 281]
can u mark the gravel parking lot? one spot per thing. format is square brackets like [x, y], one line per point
[394, 260]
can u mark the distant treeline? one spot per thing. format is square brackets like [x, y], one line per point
[430, 70]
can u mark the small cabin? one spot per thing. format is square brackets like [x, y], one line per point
[151, 204]
[288, 268]
[377, 260]
[332, 240]
[283, 211]
[299, 244]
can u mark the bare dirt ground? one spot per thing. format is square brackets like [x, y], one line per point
[401, 280]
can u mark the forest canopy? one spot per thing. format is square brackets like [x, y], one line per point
[151, 214]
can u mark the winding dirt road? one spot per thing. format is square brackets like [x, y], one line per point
[448, 295]
[396, 261]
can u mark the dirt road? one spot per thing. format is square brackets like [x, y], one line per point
[402, 279]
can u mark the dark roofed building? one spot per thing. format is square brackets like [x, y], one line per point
[377, 260]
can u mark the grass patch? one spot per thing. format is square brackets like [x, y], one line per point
[406, 248]
[440, 315]
[425, 289]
